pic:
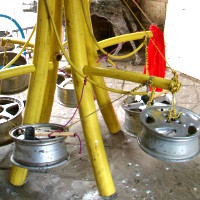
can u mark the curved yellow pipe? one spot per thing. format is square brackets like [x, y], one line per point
[103, 43]
[124, 38]
[19, 54]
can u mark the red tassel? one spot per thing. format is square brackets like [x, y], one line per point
[156, 63]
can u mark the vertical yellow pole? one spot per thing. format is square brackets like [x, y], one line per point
[102, 96]
[40, 60]
[17, 175]
[94, 142]
[37, 82]
[54, 57]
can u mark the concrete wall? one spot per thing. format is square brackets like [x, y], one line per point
[156, 12]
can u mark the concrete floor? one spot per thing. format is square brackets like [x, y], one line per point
[136, 175]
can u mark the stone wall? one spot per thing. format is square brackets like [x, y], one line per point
[154, 9]
[156, 12]
[107, 17]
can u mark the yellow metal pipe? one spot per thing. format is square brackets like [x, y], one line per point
[15, 41]
[16, 71]
[68, 69]
[102, 96]
[128, 76]
[21, 51]
[124, 38]
[18, 175]
[94, 142]
[37, 82]
[54, 54]
[41, 60]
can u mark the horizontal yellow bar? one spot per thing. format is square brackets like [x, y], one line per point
[125, 38]
[127, 75]
[14, 41]
[16, 71]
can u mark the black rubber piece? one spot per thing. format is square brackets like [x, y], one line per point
[145, 98]
[29, 133]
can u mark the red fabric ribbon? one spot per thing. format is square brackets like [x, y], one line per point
[156, 63]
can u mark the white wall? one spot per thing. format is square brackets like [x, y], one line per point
[182, 36]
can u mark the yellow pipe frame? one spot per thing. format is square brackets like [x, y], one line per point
[125, 38]
[91, 129]
[54, 53]
[83, 52]
[37, 82]
[128, 76]
[102, 96]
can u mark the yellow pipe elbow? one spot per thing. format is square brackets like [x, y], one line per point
[125, 38]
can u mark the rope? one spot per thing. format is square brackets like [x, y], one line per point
[66, 74]
[151, 97]
[175, 84]
[14, 125]
[173, 111]
[76, 135]
[84, 84]
[103, 107]
[112, 63]
[106, 57]
[135, 17]
[65, 125]
[174, 87]
[146, 32]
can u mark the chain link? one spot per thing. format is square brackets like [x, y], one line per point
[146, 57]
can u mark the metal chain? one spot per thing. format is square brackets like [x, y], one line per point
[146, 57]
[152, 96]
